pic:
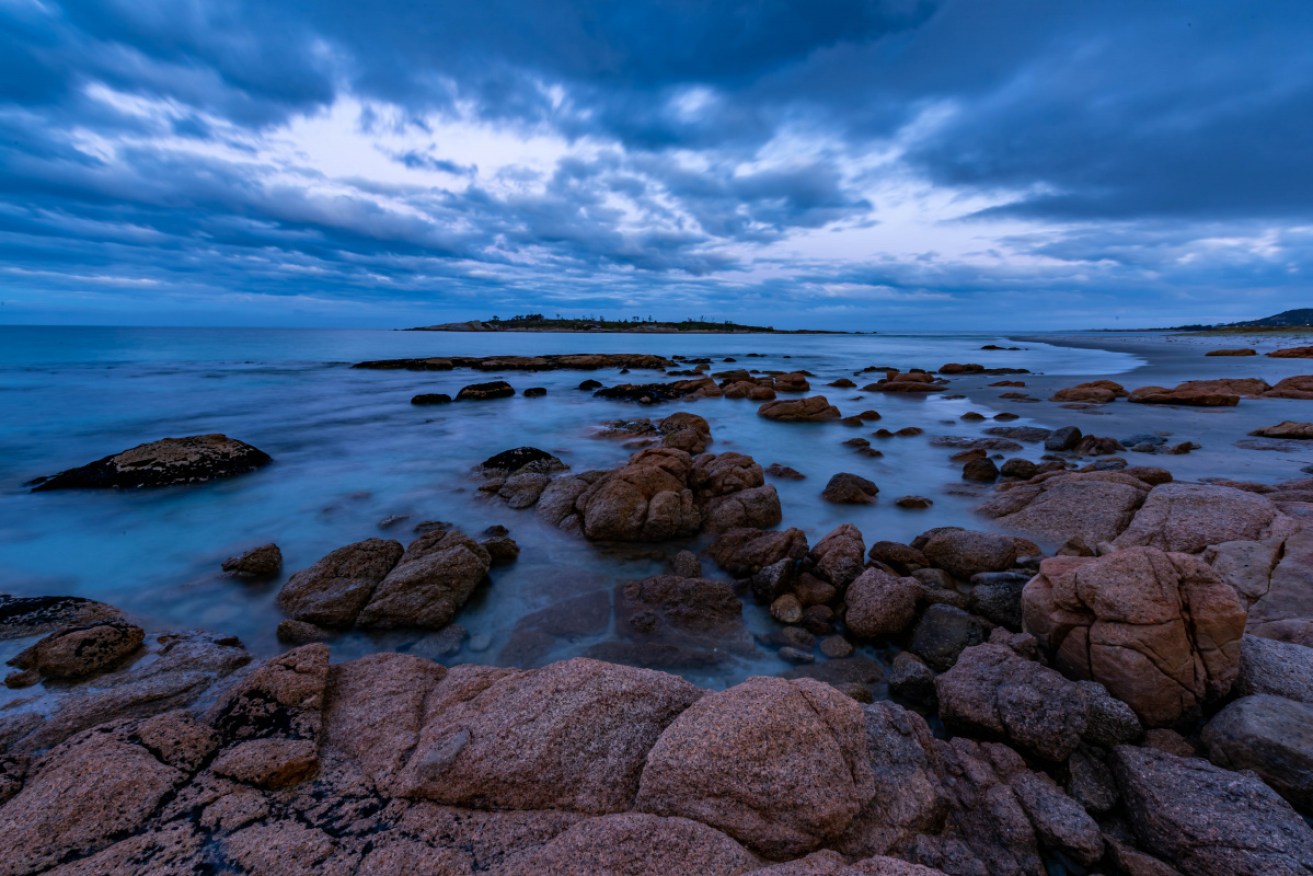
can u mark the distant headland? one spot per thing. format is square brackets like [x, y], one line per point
[1288, 321]
[536, 322]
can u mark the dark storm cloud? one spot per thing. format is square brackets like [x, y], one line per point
[1151, 150]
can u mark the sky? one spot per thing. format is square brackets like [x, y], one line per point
[848, 164]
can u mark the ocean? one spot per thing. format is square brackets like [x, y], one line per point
[354, 459]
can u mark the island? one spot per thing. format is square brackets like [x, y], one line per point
[1288, 321]
[536, 322]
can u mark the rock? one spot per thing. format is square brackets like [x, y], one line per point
[1300, 387]
[792, 751]
[1288, 429]
[167, 462]
[1206, 820]
[850, 489]
[992, 690]
[1270, 735]
[913, 503]
[813, 409]
[258, 564]
[485, 391]
[783, 472]
[332, 592]
[745, 551]
[881, 604]
[983, 471]
[431, 582]
[80, 797]
[1159, 630]
[687, 432]
[590, 385]
[840, 556]
[1059, 821]
[523, 490]
[669, 622]
[963, 552]
[501, 549]
[786, 609]
[910, 677]
[836, 647]
[647, 499]
[522, 460]
[1022, 469]
[572, 735]
[998, 600]
[1158, 395]
[1094, 392]
[535, 392]
[22, 616]
[1241, 351]
[687, 565]
[1090, 782]
[1094, 507]
[1292, 353]
[77, 652]
[1190, 517]
[1094, 445]
[636, 844]
[1111, 721]
[942, 634]
[754, 507]
[750, 390]
[431, 398]
[1278, 668]
[658, 393]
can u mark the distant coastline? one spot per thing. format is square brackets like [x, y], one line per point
[538, 323]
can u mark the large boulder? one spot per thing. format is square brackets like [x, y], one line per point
[1093, 507]
[778, 765]
[169, 461]
[1159, 630]
[816, 408]
[991, 690]
[572, 735]
[1209, 821]
[1299, 386]
[1194, 397]
[1272, 736]
[1190, 517]
[1292, 353]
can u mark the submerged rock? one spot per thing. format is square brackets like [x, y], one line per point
[485, 391]
[850, 489]
[167, 462]
[258, 564]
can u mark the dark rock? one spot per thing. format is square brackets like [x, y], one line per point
[485, 391]
[590, 385]
[167, 462]
[1065, 438]
[332, 592]
[964, 552]
[983, 471]
[431, 398]
[816, 408]
[257, 564]
[913, 503]
[1283, 669]
[522, 459]
[1021, 469]
[850, 489]
[534, 392]
[942, 634]
[1210, 821]
[881, 604]
[22, 616]
[783, 472]
[911, 678]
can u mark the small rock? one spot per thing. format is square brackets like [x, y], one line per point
[257, 564]
[431, 398]
[980, 470]
[485, 391]
[850, 489]
[535, 392]
[787, 609]
[943, 632]
[913, 503]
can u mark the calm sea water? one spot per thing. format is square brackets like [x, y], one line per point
[351, 452]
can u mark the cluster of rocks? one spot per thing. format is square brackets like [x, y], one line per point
[665, 492]
[378, 584]
[570, 362]
[1217, 392]
[393, 763]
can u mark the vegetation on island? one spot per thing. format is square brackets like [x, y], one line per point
[537, 322]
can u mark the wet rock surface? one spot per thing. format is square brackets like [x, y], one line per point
[163, 463]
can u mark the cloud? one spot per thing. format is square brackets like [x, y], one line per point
[947, 162]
